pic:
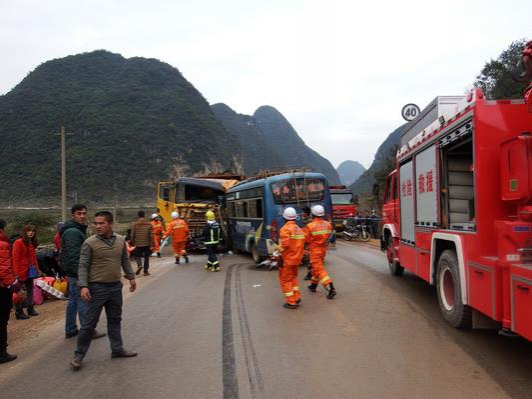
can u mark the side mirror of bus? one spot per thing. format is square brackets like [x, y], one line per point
[355, 199]
[222, 200]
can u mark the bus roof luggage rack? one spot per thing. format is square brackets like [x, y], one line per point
[262, 174]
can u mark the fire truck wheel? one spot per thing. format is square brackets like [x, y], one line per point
[395, 268]
[257, 258]
[454, 311]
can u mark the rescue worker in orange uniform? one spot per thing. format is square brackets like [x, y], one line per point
[157, 233]
[291, 247]
[178, 230]
[317, 235]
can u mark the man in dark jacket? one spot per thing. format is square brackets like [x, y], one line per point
[142, 239]
[73, 234]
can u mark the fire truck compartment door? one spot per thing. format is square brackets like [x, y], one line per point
[426, 188]
[521, 305]
[516, 165]
[406, 176]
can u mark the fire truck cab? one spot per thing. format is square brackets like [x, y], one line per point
[458, 212]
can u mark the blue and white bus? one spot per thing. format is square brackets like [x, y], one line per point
[255, 208]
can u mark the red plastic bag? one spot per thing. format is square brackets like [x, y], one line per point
[37, 296]
[19, 297]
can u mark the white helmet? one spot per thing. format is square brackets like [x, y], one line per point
[290, 213]
[175, 215]
[317, 210]
[154, 216]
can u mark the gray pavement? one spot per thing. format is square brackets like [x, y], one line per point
[225, 335]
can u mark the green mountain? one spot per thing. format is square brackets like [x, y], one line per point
[257, 153]
[134, 121]
[350, 171]
[382, 164]
[267, 136]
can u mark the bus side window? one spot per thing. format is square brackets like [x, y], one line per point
[241, 209]
[231, 209]
[259, 208]
[255, 208]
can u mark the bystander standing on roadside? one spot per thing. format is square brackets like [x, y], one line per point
[7, 279]
[142, 239]
[374, 224]
[103, 257]
[26, 268]
[73, 234]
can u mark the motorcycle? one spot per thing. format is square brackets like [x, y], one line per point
[356, 228]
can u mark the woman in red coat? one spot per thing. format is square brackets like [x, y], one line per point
[24, 256]
[7, 277]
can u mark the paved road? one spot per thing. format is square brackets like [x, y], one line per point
[225, 335]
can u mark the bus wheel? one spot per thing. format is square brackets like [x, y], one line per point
[257, 258]
[395, 268]
[454, 311]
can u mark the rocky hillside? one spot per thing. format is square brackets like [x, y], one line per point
[268, 140]
[134, 121]
[382, 163]
[350, 171]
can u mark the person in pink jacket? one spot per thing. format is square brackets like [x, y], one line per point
[7, 278]
[23, 257]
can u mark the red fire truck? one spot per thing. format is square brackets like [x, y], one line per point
[343, 205]
[458, 213]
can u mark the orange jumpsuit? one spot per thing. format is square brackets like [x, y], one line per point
[157, 232]
[317, 235]
[178, 229]
[291, 247]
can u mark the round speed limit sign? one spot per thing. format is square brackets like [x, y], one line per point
[410, 112]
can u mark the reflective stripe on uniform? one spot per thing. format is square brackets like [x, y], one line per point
[215, 263]
[298, 237]
[324, 279]
[321, 232]
[211, 242]
[295, 288]
[290, 293]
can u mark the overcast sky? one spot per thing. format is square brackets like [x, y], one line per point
[339, 71]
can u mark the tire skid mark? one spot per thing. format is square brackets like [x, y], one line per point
[256, 381]
[230, 381]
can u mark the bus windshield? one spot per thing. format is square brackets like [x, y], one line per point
[290, 191]
[342, 199]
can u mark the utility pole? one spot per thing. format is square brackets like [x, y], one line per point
[63, 174]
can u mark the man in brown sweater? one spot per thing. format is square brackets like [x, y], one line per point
[102, 259]
[142, 239]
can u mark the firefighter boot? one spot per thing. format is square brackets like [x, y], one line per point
[312, 287]
[177, 260]
[186, 258]
[290, 306]
[308, 276]
[332, 292]
[158, 254]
